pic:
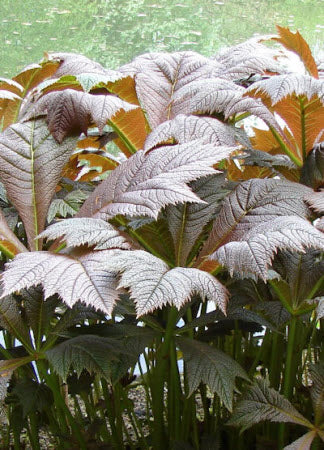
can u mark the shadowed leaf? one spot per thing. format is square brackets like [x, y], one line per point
[211, 366]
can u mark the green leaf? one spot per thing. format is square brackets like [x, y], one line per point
[261, 403]
[211, 366]
[33, 396]
[11, 320]
[317, 391]
[90, 352]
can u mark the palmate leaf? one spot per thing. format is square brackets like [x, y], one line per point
[160, 75]
[262, 403]
[187, 221]
[153, 284]
[81, 231]
[184, 129]
[297, 44]
[145, 183]
[254, 252]
[211, 366]
[90, 352]
[31, 164]
[299, 100]
[71, 112]
[32, 396]
[73, 278]
[254, 203]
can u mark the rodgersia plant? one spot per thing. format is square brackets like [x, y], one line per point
[193, 260]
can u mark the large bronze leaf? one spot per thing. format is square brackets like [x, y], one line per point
[31, 164]
[71, 112]
[145, 183]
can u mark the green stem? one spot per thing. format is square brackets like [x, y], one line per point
[159, 435]
[286, 149]
[288, 383]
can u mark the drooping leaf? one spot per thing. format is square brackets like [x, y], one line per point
[297, 44]
[38, 311]
[160, 75]
[188, 128]
[31, 165]
[71, 112]
[145, 183]
[301, 270]
[153, 284]
[317, 391]
[254, 203]
[232, 313]
[255, 251]
[11, 320]
[211, 366]
[33, 396]
[81, 231]
[73, 278]
[90, 352]
[187, 221]
[262, 403]
[312, 173]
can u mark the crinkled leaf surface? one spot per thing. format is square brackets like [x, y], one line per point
[211, 366]
[160, 75]
[31, 164]
[72, 278]
[153, 284]
[262, 403]
[220, 96]
[71, 112]
[145, 183]
[255, 251]
[84, 230]
[254, 203]
[187, 221]
[316, 200]
[188, 128]
[90, 352]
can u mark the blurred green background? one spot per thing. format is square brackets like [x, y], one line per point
[112, 32]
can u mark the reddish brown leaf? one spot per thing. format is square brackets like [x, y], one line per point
[297, 44]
